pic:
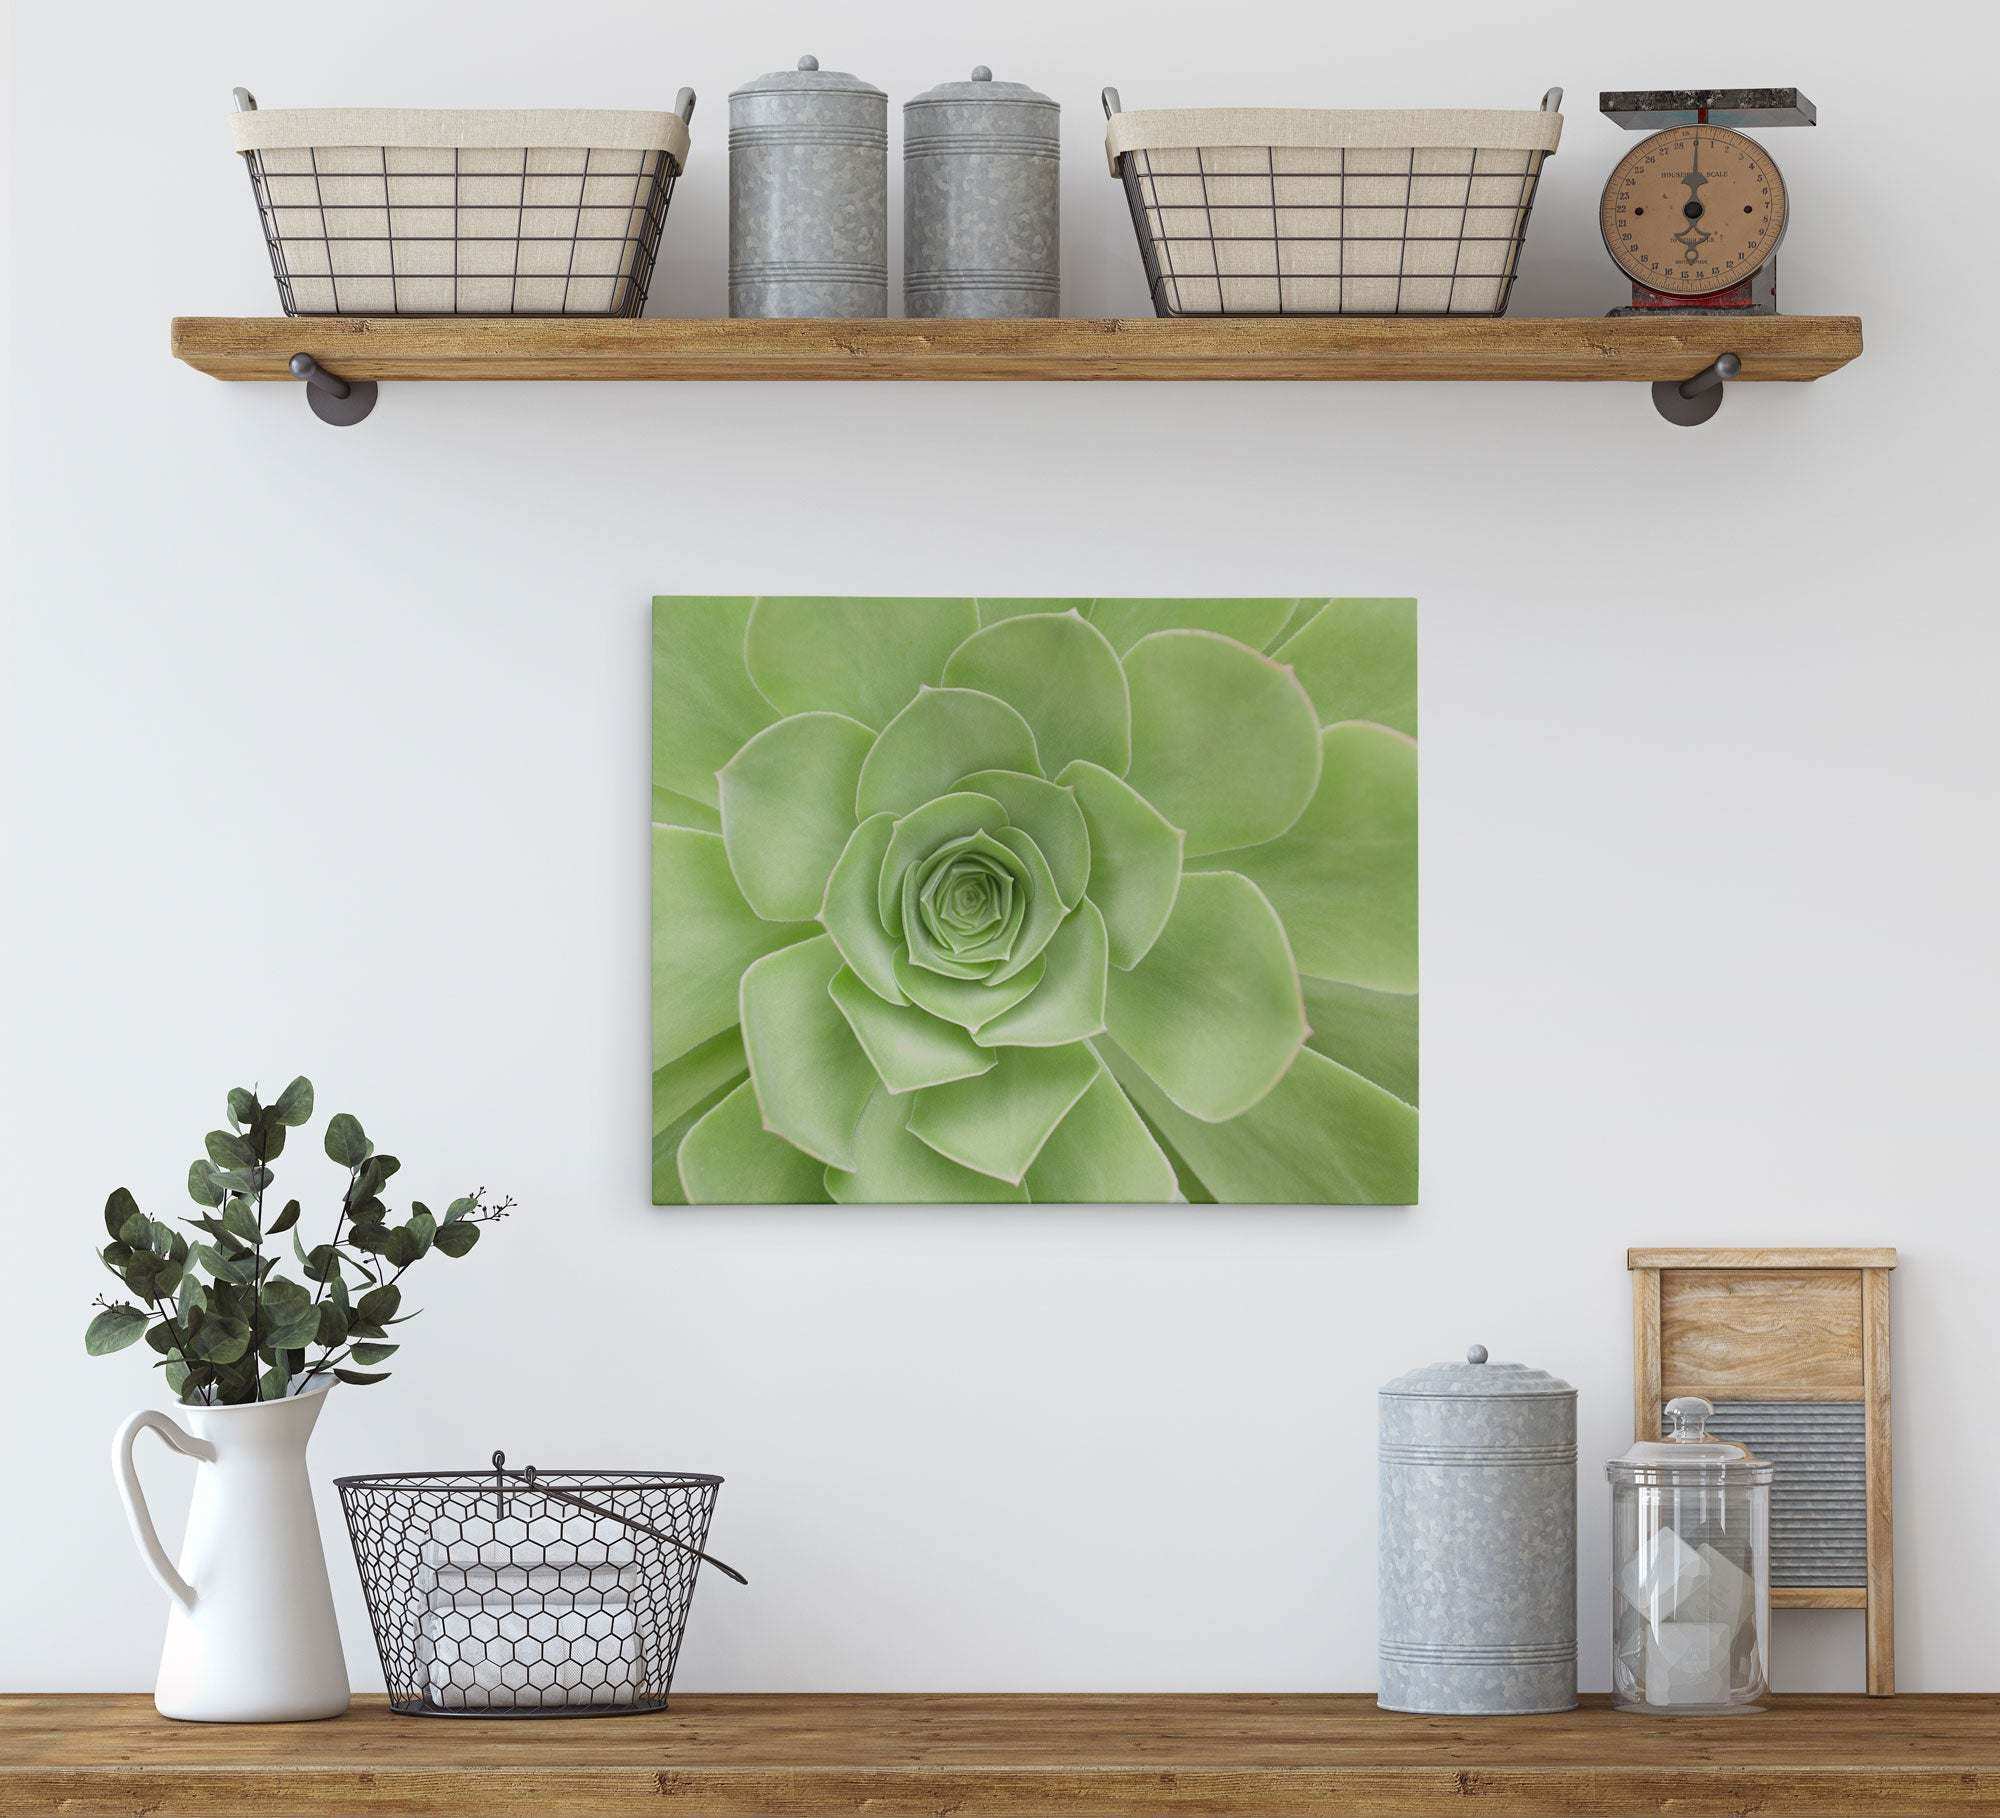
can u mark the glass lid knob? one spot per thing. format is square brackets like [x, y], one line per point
[1689, 1413]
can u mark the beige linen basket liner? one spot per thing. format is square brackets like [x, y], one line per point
[471, 211]
[1315, 211]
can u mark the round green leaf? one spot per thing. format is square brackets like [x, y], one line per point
[908, 1048]
[120, 1208]
[892, 1168]
[704, 934]
[942, 735]
[1344, 878]
[920, 833]
[970, 1003]
[1225, 742]
[852, 914]
[346, 1143]
[1213, 1012]
[788, 808]
[1048, 814]
[1044, 913]
[810, 1074]
[1068, 1005]
[1062, 677]
[729, 1159]
[114, 1329]
[1252, 622]
[1323, 1136]
[997, 1123]
[860, 657]
[1102, 1154]
[704, 707]
[1372, 1033]
[1358, 661]
[1135, 860]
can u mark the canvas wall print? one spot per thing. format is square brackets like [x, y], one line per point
[959, 901]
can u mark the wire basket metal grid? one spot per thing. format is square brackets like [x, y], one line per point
[387, 230]
[529, 1593]
[1323, 231]
[1329, 230]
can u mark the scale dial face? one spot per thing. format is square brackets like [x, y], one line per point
[1693, 210]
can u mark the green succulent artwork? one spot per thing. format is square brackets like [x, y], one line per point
[958, 901]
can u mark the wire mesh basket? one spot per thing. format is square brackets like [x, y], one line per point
[469, 212]
[1308, 212]
[525, 1593]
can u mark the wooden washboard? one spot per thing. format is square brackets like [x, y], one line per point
[1792, 1348]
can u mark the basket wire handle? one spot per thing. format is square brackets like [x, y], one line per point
[1112, 105]
[501, 1473]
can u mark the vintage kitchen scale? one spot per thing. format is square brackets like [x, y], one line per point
[1694, 214]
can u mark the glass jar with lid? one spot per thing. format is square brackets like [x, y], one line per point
[1691, 1570]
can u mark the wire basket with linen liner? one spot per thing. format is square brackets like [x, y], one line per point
[411, 211]
[526, 1593]
[1316, 212]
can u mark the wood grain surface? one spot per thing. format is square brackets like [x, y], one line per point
[1762, 1335]
[1881, 1472]
[1352, 347]
[1010, 1757]
[1830, 1257]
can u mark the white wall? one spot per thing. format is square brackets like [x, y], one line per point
[328, 753]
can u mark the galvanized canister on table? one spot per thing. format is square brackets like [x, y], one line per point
[1476, 1572]
[981, 200]
[808, 195]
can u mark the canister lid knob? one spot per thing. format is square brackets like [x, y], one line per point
[809, 61]
[1475, 1353]
[980, 73]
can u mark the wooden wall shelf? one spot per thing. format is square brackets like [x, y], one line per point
[1786, 348]
[1018, 1757]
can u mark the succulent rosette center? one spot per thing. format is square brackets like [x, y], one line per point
[965, 900]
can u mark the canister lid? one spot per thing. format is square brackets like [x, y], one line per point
[1476, 1378]
[1689, 1453]
[982, 87]
[808, 78]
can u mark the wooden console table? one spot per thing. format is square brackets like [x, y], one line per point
[1009, 1757]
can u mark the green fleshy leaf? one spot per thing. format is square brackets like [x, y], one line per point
[137, 1231]
[1358, 661]
[1102, 1154]
[379, 1305]
[285, 1219]
[1048, 814]
[907, 1048]
[892, 1168]
[295, 1104]
[346, 1142]
[203, 1188]
[704, 935]
[1225, 742]
[221, 1338]
[921, 832]
[704, 706]
[228, 1150]
[374, 1354]
[851, 912]
[120, 1208]
[1062, 677]
[991, 612]
[1044, 912]
[940, 736]
[242, 1104]
[1345, 878]
[331, 1329]
[1135, 860]
[810, 1075]
[1321, 1137]
[997, 1123]
[861, 657]
[970, 1003]
[787, 809]
[1252, 622]
[672, 809]
[1303, 614]
[685, 1091]
[729, 1159]
[114, 1329]
[1214, 1012]
[1372, 1033]
[1068, 1004]
[454, 1240]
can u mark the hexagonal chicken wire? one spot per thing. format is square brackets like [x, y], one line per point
[529, 1593]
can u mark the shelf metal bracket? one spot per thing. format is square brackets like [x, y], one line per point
[1697, 399]
[334, 400]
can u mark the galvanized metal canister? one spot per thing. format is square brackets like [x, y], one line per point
[1476, 1570]
[808, 195]
[981, 200]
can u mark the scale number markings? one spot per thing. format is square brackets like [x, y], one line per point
[1693, 210]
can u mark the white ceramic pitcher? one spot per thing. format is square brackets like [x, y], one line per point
[251, 1636]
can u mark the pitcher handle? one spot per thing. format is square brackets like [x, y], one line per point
[141, 1518]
